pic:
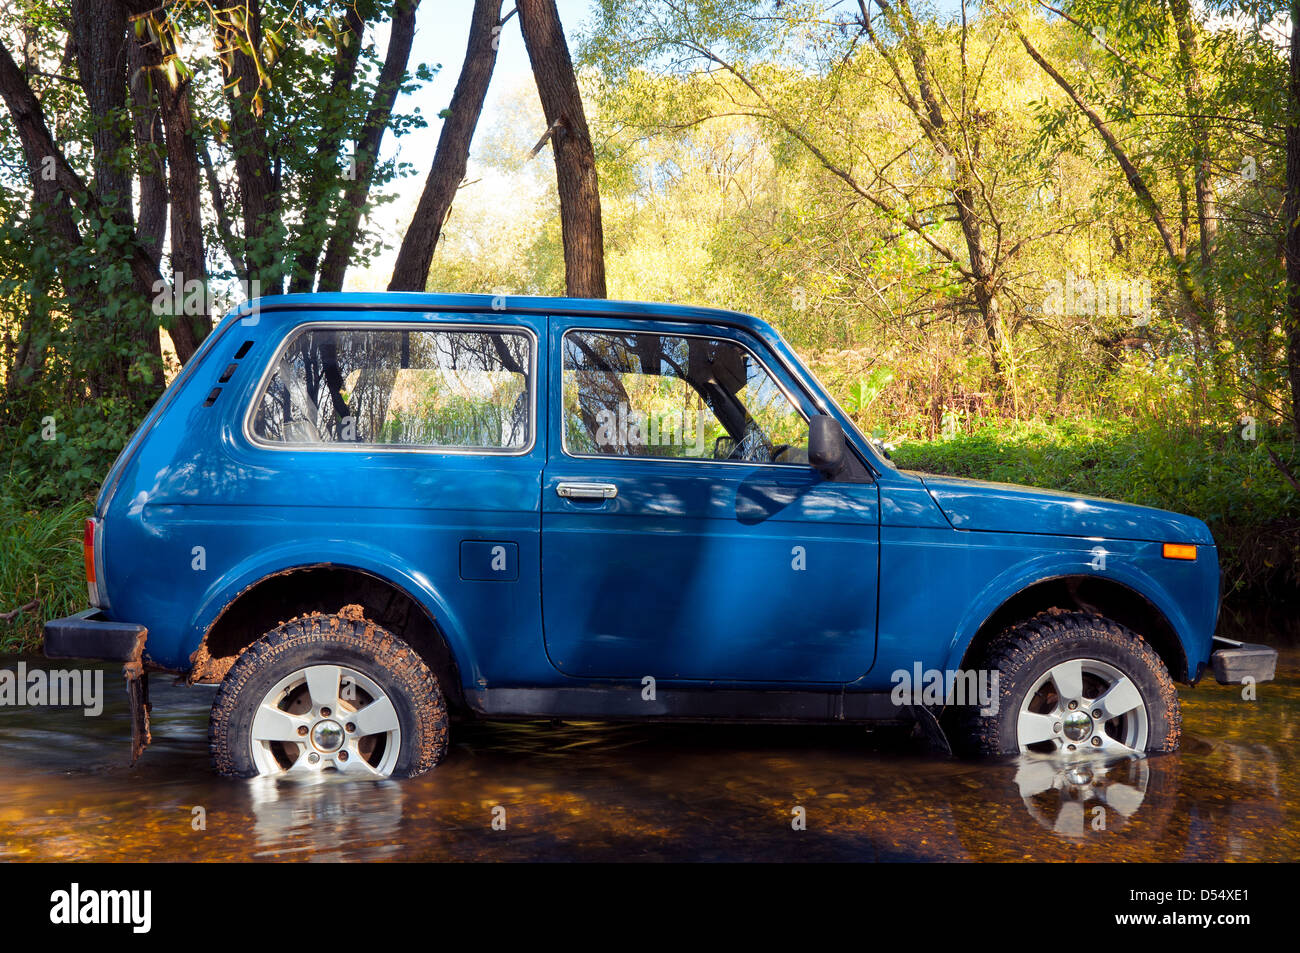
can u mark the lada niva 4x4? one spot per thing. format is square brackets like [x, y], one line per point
[362, 515]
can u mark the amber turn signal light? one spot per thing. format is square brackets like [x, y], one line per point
[1180, 551]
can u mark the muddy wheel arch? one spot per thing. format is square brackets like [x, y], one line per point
[326, 588]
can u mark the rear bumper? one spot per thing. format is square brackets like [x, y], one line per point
[87, 635]
[1242, 660]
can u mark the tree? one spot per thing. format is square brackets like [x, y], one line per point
[411, 271]
[365, 151]
[957, 144]
[58, 190]
[575, 160]
[953, 152]
[1165, 83]
[168, 95]
[1291, 219]
[238, 38]
[1133, 176]
[329, 145]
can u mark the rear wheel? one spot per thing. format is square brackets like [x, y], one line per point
[1073, 682]
[328, 693]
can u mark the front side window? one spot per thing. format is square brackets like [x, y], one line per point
[445, 388]
[675, 397]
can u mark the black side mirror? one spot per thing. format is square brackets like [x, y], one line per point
[826, 444]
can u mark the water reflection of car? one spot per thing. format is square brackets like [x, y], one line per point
[1072, 797]
[361, 514]
[327, 820]
[1211, 801]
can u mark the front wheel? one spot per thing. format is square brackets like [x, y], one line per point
[1073, 682]
[328, 693]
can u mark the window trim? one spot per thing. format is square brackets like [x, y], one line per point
[272, 365]
[780, 384]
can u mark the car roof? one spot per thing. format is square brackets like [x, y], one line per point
[516, 304]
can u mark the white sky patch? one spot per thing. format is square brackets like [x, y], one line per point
[441, 34]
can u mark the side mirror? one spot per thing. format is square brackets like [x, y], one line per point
[826, 444]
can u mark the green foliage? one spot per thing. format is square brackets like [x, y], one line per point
[779, 184]
[63, 455]
[1216, 475]
[90, 373]
[863, 392]
[40, 558]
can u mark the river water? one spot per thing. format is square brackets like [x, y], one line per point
[544, 791]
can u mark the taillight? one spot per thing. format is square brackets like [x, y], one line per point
[88, 552]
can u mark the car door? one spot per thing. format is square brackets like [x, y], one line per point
[684, 535]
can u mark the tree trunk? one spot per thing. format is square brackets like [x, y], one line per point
[163, 114]
[1291, 218]
[411, 272]
[51, 194]
[317, 192]
[188, 259]
[99, 37]
[926, 107]
[343, 238]
[575, 159]
[1207, 215]
[1191, 292]
[1206, 205]
[221, 211]
[239, 22]
[142, 61]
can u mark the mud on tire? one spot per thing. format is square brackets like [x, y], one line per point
[344, 639]
[1023, 655]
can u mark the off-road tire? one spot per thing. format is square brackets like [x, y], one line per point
[1025, 651]
[348, 639]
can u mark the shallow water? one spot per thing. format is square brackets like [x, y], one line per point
[651, 792]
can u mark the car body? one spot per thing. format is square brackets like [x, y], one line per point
[541, 573]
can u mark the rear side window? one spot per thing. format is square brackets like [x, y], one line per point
[443, 388]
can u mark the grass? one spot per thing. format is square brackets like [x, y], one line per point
[40, 559]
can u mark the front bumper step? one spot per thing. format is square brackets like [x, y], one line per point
[88, 635]
[1242, 660]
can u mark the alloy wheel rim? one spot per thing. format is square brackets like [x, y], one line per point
[1082, 705]
[325, 718]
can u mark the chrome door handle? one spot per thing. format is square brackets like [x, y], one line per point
[586, 491]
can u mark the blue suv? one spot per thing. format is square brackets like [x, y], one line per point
[362, 515]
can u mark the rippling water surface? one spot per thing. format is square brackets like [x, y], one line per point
[663, 792]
